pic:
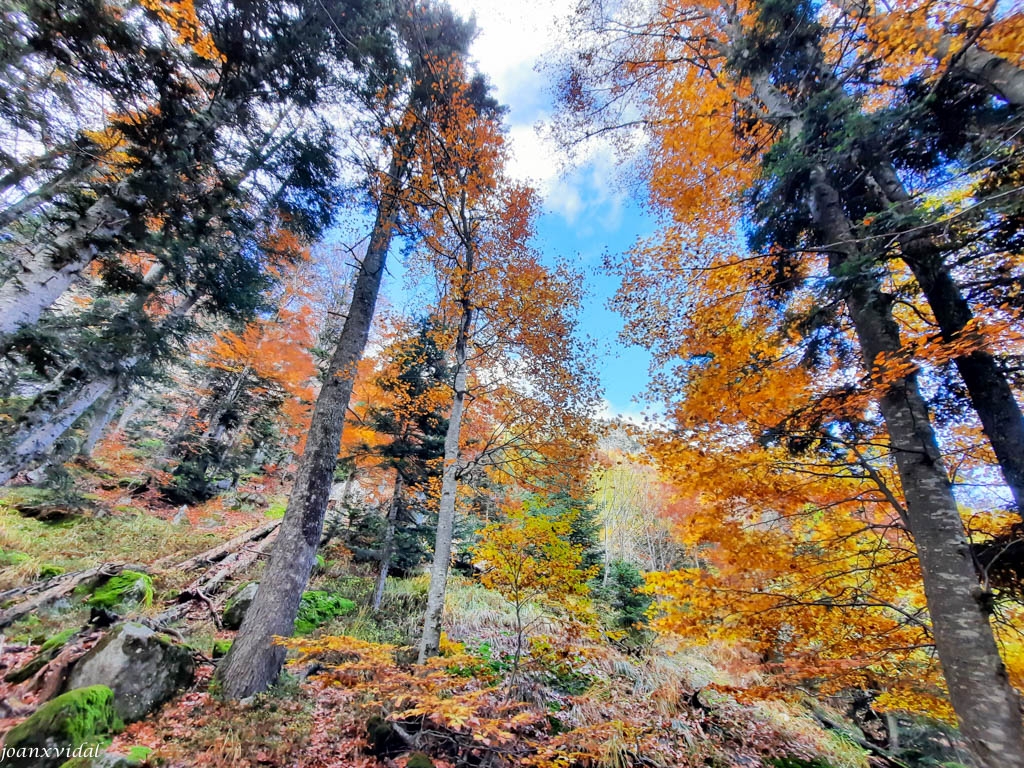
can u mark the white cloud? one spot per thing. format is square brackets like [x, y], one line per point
[513, 37]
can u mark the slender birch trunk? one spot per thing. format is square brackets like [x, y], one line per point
[36, 437]
[431, 639]
[987, 386]
[101, 419]
[387, 550]
[50, 269]
[36, 446]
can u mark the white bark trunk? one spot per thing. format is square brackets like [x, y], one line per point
[431, 639]
[38, 444]
[100, 420]
[50, 269]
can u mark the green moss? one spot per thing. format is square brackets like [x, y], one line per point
[118, 588]
[78, 717]
[58, 640]
[221, 648]
[317, 608]
[139, 754]
[276, 510]
[419, 760]
[48, 571]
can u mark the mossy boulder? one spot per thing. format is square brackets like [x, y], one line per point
[76, 720]
[142, 667]
[319, 607]
[237, 605]
[46, 653]
[127, 588]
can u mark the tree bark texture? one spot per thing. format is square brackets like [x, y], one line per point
[988, 70]
[254, 662]
[50, 269]
[102, 417]
[35, 446]
[985, 702]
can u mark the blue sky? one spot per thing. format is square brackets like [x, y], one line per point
[586, 212]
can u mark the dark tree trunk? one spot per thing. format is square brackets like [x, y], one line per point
[254, 662]
[989, 390]
[987, 705]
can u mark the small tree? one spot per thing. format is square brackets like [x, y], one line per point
[529, 559]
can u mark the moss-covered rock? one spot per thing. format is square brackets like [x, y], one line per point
[125, 588]
[136, 757]
[46, 653]
[143, 668]
[319, 607]
[74, 720]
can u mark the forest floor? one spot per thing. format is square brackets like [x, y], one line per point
[581, 695]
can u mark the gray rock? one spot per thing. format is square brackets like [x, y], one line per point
[143, 668]
[238, 604]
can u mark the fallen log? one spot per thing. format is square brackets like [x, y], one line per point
[229, 567]
[201, 588]
[55, 588]
[221, 551]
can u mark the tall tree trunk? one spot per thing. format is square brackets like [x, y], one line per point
[34, 447]
[254, 662]
[128, 414]
[46, 191]
[986, 704]
[387, 550]
[987, 386]
[46, 161]
[52, 268]
[55, 416]
[431, 640]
